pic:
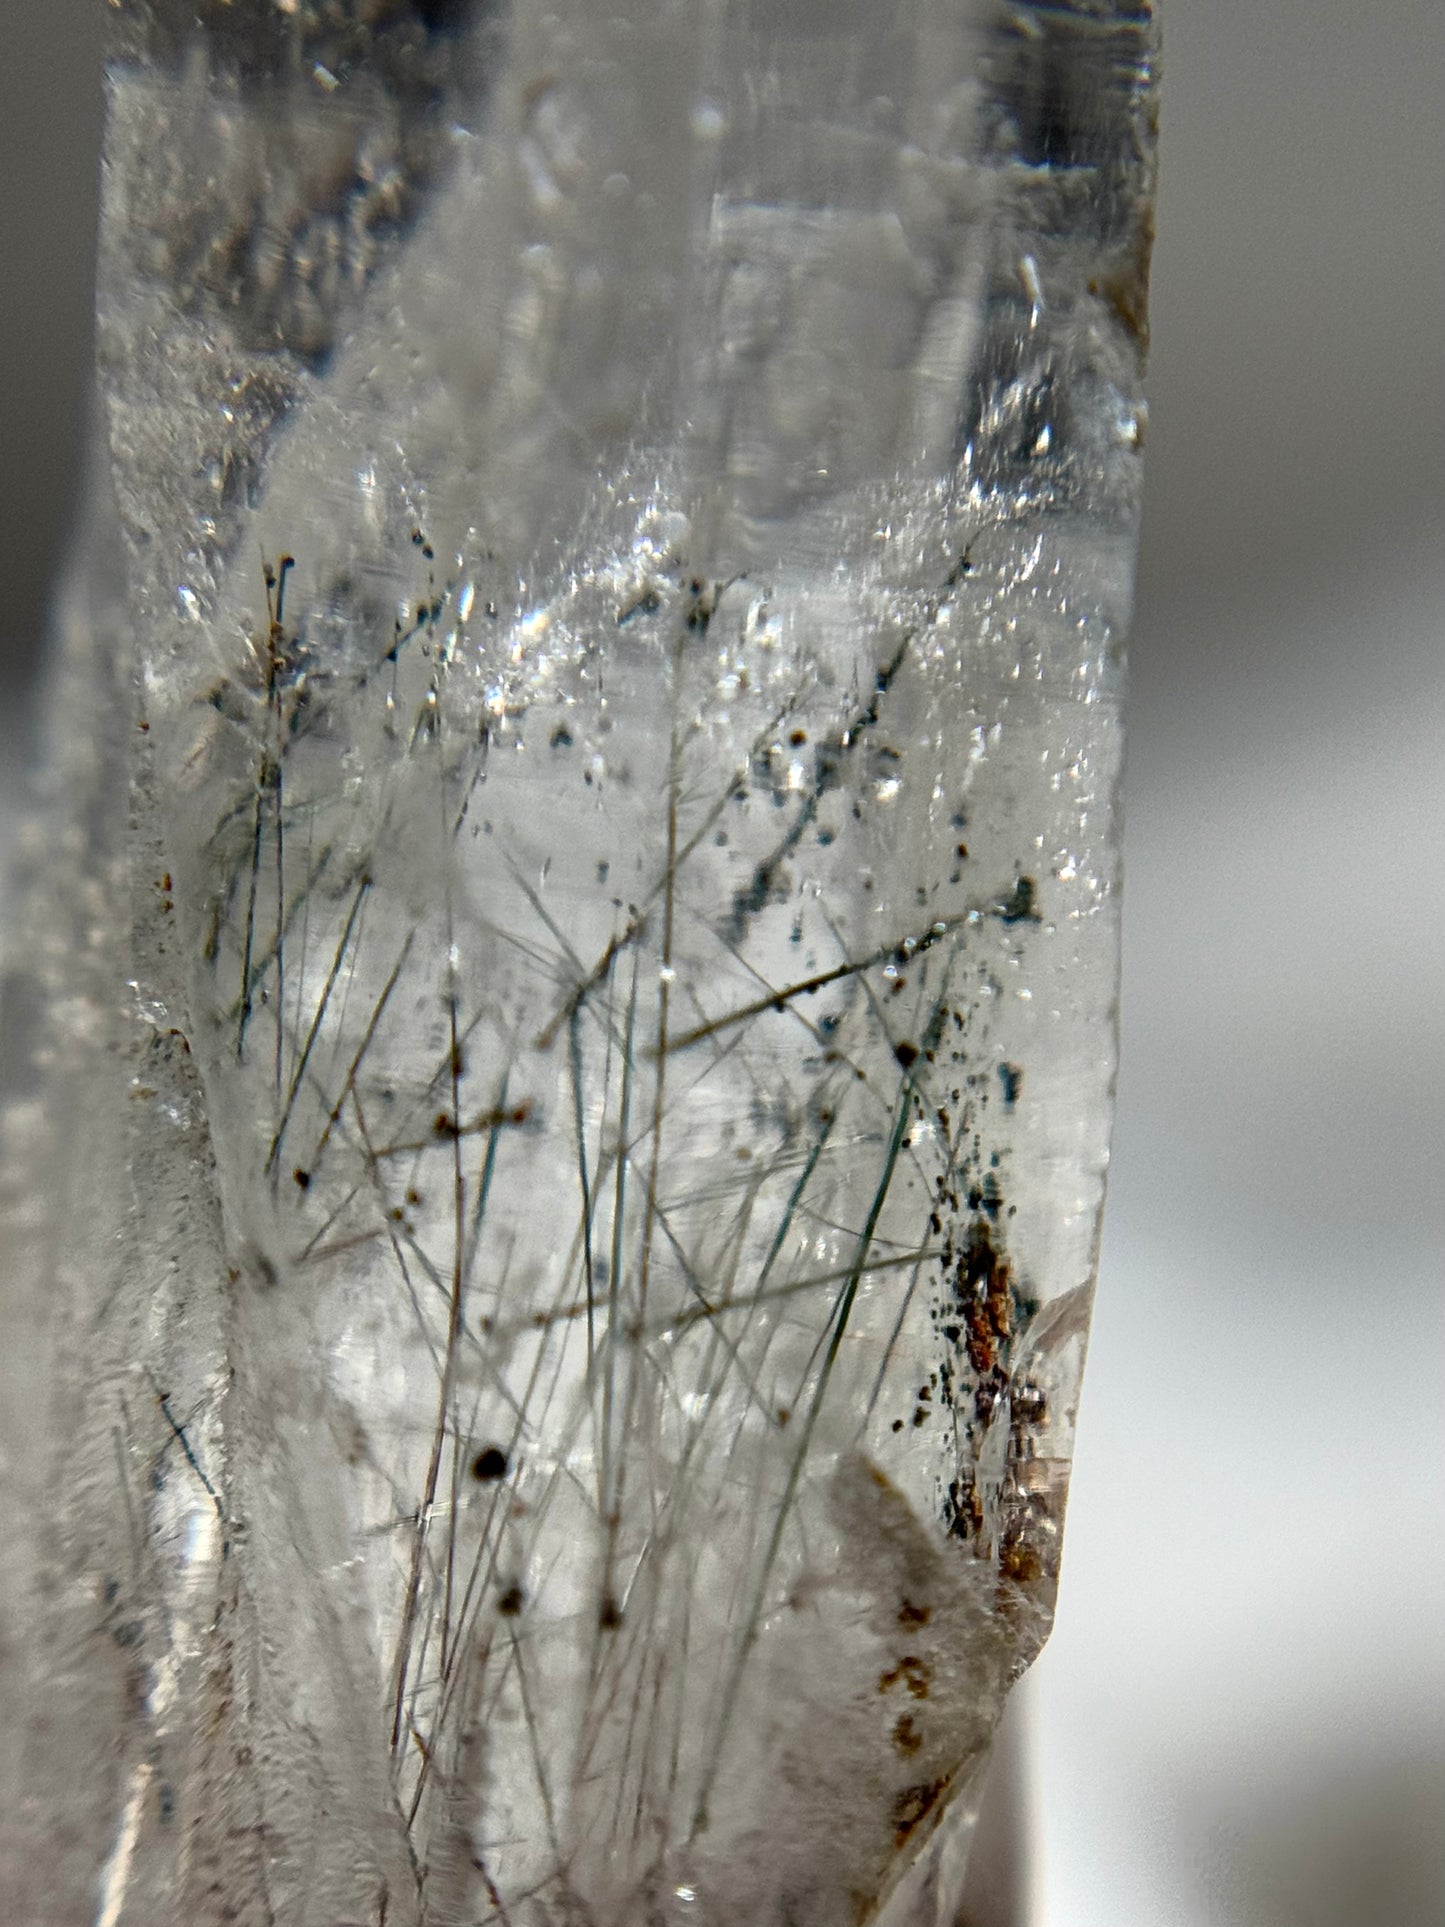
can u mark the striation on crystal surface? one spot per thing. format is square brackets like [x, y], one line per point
[565, 997]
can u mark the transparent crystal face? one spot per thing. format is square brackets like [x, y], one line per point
[628, 525]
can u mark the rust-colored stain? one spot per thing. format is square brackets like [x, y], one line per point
[1019, 1557]
[906, 1736]
[915, 1803]
[982, 1285]
[915, 1674]
[1126, 288]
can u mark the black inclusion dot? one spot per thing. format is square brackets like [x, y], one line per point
[442, 17]
[490, 1464]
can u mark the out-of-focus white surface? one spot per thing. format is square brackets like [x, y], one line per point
[1240, 1720]
[1240, 1713]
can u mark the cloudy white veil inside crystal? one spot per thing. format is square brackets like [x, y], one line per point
[556, 1187]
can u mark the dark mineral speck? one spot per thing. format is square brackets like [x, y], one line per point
[490, 1464]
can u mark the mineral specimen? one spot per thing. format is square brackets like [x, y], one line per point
[566, 989]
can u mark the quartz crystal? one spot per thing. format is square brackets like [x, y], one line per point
[561, 998]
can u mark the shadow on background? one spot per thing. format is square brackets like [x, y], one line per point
[50, 119]
[1338, 1848]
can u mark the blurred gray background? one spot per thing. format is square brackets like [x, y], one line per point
[1240, 1721]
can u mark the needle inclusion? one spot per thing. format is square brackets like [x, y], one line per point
[556, 1166]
